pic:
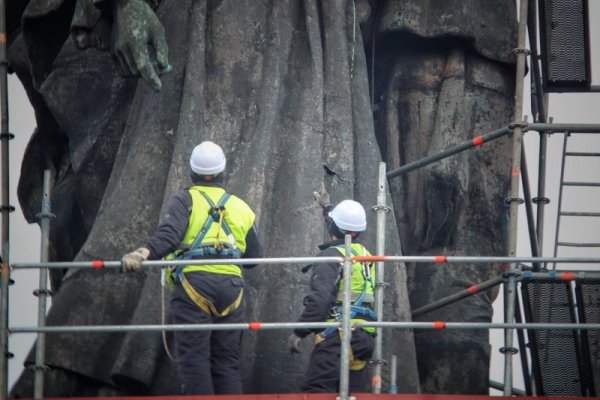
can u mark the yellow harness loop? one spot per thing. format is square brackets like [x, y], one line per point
[355, 365]
[206, 305]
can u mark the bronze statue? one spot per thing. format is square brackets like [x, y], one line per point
[283, 86]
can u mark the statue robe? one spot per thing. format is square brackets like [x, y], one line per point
[282, 87]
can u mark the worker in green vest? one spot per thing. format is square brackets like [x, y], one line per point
[205, 222]
[323, 303]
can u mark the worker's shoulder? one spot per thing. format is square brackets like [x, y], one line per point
[239, 204]
[237, 199]
[338, 249]
[330, 251]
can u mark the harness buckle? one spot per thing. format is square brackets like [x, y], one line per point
[334, 313]
[318, 338]
[216, 211]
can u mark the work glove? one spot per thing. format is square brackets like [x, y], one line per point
[132, 262]
[322, 196]
[294, 343]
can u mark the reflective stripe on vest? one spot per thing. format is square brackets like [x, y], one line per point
[362, 274]
[238, 216]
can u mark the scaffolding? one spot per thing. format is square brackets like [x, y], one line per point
[518, 271]
[514, 274]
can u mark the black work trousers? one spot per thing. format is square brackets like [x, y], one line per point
[208, 362]
[323, 373]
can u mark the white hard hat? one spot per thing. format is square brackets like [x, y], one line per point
[349, 215]
[207, 159]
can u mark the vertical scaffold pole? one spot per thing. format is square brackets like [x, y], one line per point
[393, 373]
[517, 142]
[381, 208]
[43, 292]
[4, 332]
[346, 333]
[5, 206]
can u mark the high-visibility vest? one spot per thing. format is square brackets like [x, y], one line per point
[363, 277]
[237, 215]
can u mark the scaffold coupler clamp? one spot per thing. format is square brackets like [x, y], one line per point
[540, 200]
[8, 208]
[509, 200]
[518, 50]
[510, 350]
[516, 124]
[383, 208]
[41, 215]
[43, 367]
[381, 362]
[517, 274]
[7, 136]
[42, 292]
[5, 268]
[383, 285]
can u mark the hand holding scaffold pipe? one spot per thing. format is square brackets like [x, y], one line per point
[132, 262]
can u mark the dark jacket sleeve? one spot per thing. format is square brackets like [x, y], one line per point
[172, 227]
[253, 247]
[323, 292]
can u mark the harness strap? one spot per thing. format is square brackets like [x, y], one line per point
[219, 207]
[355, 311]
[219, 210]
[206, 305]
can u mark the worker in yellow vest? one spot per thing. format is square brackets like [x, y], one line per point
[323, 303]
[205, 222]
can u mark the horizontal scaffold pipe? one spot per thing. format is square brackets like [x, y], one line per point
[98, 264]
[473, 259]
[471, 291]
[476, 141]
[247, 326]
[440, 259]
[562, 275]
[476, 325]
[571, 128]
[257, 326]
[479, 140]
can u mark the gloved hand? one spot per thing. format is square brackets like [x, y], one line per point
[322, 196]
[294, 343]
[132, 262]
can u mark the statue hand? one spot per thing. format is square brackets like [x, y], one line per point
[138, 41]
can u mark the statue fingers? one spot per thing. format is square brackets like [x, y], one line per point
[148, 73]
[159, 42]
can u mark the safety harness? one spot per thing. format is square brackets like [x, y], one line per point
[216, 214]
[198, 249]
[357, 311]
